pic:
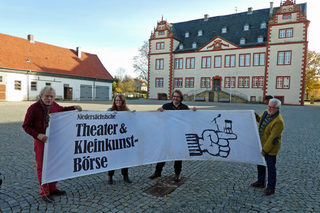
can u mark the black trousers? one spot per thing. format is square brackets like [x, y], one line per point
[272, 172]
[124, 172]
[177, 167]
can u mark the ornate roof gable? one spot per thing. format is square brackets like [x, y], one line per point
[218, 43]
[286, 9]
[163, 30]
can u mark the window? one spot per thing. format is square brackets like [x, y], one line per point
[233, 82]
[258, 59]
[284, 57]
[230, 82]
[289, 33]
[244, 60]
[205, 82]
[159, 82]
[199, 32]
[260, 39]
[187, 34]
[160, 45]
[159, 64]
[242, 41]
[206, 62]
[282, 82]
[178, 83]
[286, 33]
[180, 46]
[217, 61]
[33, 86]
[246, 27]
[244, 82]
[17, 85]
[286, 16]
[230, 61]
[224, 30]
[252, 98]
[194, 45]
[189, 83]
[263, 25]
[161, 33]
[48, 84]
[178, 63]
[257, 81]
[1, 79]
[190, 63]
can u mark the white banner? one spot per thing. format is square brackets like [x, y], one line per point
[89, 142]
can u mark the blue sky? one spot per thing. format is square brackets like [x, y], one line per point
[116, 29]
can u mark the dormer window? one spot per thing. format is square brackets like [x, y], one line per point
[246, 27]
[260, 39]
[199, 32]
[286, 16]
[242, 41]
[224, 30]
[263, 25]
[186, 34]
[194, 45]
[180, 46]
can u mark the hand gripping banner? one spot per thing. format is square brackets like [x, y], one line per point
[89, 142]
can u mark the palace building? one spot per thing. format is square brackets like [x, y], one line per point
[250, 55]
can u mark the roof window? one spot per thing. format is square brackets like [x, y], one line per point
[180, 46]
[246, 27]
[194, 45]
[242, 41]
[224, 30]
[260, 39]
[199, 32]
[186, 35]
[263, 25]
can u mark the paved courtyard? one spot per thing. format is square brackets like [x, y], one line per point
[210, 186]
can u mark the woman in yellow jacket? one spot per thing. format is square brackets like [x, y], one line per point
[271, 126]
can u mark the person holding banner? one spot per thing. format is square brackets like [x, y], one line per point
[271, 125]
[176, 104]
[35, 124]
[119, 104]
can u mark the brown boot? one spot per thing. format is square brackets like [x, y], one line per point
[154, 176]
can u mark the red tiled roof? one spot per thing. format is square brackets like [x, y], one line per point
[14, 53]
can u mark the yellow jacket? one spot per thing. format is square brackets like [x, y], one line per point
[271, 134]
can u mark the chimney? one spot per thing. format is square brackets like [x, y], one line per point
[250, 10]
[30, 38]
[79, 52]
[206, 17]
[271, 8]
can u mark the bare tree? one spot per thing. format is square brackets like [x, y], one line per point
[120, 73]
[140, 62]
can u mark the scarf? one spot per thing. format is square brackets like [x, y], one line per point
[46, 110]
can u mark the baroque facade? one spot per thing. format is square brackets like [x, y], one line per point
[250, 55]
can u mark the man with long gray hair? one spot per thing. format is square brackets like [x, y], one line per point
[270, 129]
[35, 124]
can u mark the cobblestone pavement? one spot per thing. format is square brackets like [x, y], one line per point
[210, 186]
